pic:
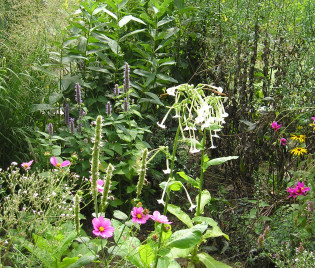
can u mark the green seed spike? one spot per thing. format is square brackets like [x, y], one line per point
[142, 172]
[108, 178]
[95, 159]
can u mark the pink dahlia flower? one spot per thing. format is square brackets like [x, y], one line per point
[275, 126]
[27, 165]
[138, 216]
[102, 227]
[55, 163]
[157, 217]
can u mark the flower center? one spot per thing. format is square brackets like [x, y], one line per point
[25, 165]
[302, 189]
[101, 229]
[139, 216]
[58, 165]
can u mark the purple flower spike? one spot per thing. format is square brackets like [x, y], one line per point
[67, 114]
[126, 105]
[50, 129]
[116, 90]
[78, 98]
[126, 78]
[108, 108]
[71, 122]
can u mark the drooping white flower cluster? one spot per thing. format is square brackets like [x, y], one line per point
[195, 110]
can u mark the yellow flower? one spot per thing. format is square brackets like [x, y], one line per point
[299, 127]
[298, 151]
[312, 125]
[302, 138]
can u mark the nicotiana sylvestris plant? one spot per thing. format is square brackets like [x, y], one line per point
[196, 112]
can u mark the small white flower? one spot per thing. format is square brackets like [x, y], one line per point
[160, 201]
[24, 208]
[48, 199]
[35, 195]
[167, 171]
[24, 192]
[53, 194]
[6, 242]
[14, 164]
[194, 150]
[192, 207]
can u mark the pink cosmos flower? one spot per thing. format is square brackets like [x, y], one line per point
[102, 227]
[138, 216]
[157, 217]
[27, 165]
[299, 189]
[275, 126]
[283, 141]
[313, 118]
[99, 185]
[55, 163]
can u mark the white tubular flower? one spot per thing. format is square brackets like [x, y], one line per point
[193, 148]
[163, 121]
[161, 201]
[171, 91]
[167, 170]
[192, 206]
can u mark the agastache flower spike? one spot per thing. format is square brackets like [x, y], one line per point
[108, 108]
[71, 122]
[126, 80]
[116, 90]
[108, 178]
[67, 114]
[50, 129]
[126, 105]
[142, 172]
[78, 98]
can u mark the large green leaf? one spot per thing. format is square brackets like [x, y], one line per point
[181, 215]
[83, 261]
[189, 179]
[187, 238]
[210, 262]
[205, 199]
[127, 19]
[217, 161]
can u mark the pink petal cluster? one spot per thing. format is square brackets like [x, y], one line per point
[313, 118]
[55, 163]
[283, 141]
[275, 126]
[157, 217]
[138, 216]
[27, 165]
[299, 189]
[102, 227]
[99, 185]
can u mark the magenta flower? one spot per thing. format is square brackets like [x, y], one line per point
[299, 189]
[313, 118]
[275, 126]
[102, 227]
[157, 217]
[99, 185]
[283, 141]
[55, 163]
[27, 165]
[138, 216]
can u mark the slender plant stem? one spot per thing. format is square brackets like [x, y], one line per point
[201, 171]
